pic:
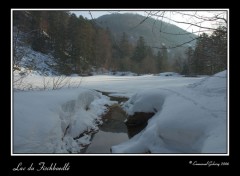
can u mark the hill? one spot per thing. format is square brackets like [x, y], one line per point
[149, 29]
[69, 44]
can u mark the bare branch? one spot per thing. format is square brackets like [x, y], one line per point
[161, 22]
[91, 15]
[140, 23]
[183, 22]
[178, 45]
[193, 16]
[187, 33]
[149, 14]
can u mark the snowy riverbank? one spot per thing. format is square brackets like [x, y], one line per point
[191, 114]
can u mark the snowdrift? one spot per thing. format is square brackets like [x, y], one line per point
[51, 121]
[190, 114]
[190, 119]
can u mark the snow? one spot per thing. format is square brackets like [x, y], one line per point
[30, 61]
[48, 121]
[191, 119]
[190, 113]
[34, 62]
[169, 74]
[152, 97]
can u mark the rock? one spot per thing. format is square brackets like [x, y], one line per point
[137, 122]
[139, 118]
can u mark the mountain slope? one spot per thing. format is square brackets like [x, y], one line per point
[27, 60]
[149, 29]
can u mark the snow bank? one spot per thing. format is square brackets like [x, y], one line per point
[153, 102]
[128, 73]
[50, 121]
[190, 114]
[193, 119]
[216, 83]
[169, 74]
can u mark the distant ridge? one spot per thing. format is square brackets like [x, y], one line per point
[149, 29]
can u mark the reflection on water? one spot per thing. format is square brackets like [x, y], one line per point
[133, 130]
[103, 141]
[113, 121]
[114, 131]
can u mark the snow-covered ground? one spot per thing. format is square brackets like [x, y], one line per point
[49, 121]
[29, 61]
[191, 119]
[35, 62]
[190, 113]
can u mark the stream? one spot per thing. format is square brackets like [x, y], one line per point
[113, 131]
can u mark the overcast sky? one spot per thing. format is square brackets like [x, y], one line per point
[168, 14]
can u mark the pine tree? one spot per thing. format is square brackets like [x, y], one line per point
[73, 47]
[188, 64]
[219, 47]
[178, 64]
[140, 51]
[165, 64]
[103, 48]
[201, 55]
[159, 61]
[185, 68]
[125, 47]
[210, 55]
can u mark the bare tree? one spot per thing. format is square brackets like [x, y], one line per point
[197, 19]
[17, 52]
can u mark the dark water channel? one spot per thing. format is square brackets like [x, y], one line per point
[113, 131]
